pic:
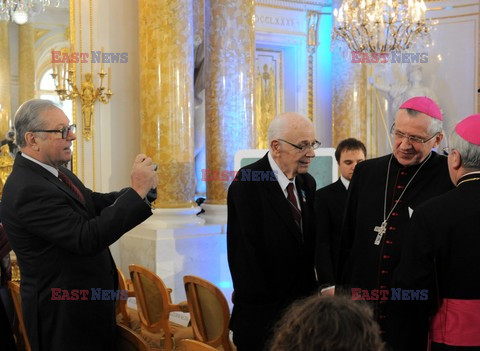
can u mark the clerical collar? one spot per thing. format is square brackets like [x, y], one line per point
[345, 182]
[412, 167]
[469, 177]
[49, 168]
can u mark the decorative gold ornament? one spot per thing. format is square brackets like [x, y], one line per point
[64, 77]
[6, 165]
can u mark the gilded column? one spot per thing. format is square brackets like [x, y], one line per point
[349, 97]
[312, 43]
[229, 77]
[349, 100]
[5, 112]
[26, 63]
[166, 97]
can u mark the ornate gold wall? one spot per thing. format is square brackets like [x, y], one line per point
[349, 100]
[4, 78]
[26, 62]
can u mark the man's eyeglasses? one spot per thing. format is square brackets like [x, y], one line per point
[304, 147]
[65, 130]
[411, 139]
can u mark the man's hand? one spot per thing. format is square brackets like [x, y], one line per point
[143, 176]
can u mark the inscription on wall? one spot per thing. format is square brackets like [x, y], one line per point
[290, 23]
[272, 20]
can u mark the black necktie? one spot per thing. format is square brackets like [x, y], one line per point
[297, 215]
[68, 182]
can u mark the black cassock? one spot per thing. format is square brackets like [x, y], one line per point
[443, 258]
[362, 264]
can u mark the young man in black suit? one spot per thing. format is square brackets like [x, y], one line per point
[329, 208]
[270, 234]
[61, 231]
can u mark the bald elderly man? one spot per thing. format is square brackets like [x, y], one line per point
[270, 233]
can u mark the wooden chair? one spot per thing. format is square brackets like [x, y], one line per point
[17, 302]
[128, 340]
[209, 312]
[154, 303]
[193, 345]
[122, 304]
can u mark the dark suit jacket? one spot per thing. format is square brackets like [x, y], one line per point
[270, 259]
[62, 243]
[329, 208]
[440, 256]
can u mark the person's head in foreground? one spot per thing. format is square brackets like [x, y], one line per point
[327, 323]
[417, 129]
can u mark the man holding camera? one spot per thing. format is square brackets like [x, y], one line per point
[61, 231]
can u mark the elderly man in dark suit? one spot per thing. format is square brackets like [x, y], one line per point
[270, 233]
[60, 232]
[329, 207]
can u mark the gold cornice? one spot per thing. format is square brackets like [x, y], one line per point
[293, 5]
[286, 32]
[447, 8]
[458, 16]
[299, 2]
[38, 33]
[289, 8]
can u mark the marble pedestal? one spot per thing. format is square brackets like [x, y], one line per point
[176, 242]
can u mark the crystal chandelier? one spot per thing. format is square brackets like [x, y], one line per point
[380, 25]
[20, 11]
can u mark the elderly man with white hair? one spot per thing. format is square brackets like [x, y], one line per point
[270, 233]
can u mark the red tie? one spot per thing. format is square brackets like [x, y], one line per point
[293, 204]
[68, 182]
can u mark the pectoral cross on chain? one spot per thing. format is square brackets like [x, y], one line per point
[380, 230]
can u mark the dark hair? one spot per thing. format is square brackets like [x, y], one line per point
[327, 323]
[349, 144]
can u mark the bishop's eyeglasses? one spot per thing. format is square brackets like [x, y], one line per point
[65, 130]
[411, 138]
[305, 146]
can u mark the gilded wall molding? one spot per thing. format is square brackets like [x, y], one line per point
[74, 101]
[300, 5]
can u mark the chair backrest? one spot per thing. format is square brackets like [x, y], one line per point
[121, 303]
[153, 302]
[17, 302]
[128, 340]
[209, 312]
[193, 345]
